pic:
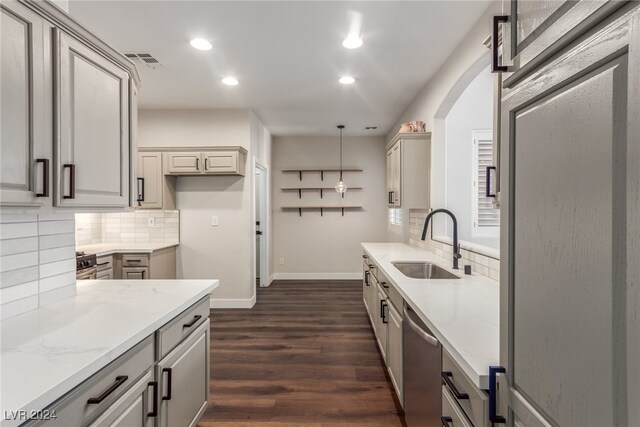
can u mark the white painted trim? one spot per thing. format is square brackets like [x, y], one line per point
[317, 276]
[232, 303]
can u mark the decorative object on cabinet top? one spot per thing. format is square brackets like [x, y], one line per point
[414, 126]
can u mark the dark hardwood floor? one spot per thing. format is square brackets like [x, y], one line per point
[305, 355]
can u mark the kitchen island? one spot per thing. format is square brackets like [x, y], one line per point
[49, 352]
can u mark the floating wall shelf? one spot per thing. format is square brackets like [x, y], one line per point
[318, 170]
[320, 208]
[300, 190]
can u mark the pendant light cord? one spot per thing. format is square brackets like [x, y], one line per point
[340, 127]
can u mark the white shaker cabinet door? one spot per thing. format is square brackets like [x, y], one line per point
[25, 133]
[93, 146]
[570, 334]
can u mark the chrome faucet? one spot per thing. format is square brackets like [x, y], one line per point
[456, 245]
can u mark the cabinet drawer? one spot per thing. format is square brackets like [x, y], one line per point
[452, 416]
[395, 298]
[135, 260]
[104, 275]
[475, 406]
[179, 328]
[135, 273]
[104, 263]
[108, 384]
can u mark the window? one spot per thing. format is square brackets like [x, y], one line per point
[395, 216]
[486, 218]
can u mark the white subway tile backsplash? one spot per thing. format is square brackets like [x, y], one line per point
[56, 227]
[18, 230]
[55, 295]
[37, 255]
[14, 262]
[18, 246]
[16, 277]
[128, 227]
[57, 281]
[23, 290]
[57, 241]
[14, 308]
[57, 254]
[58, 267]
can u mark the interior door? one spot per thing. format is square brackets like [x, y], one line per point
[570, 335]
[93, 151]
[25, 134]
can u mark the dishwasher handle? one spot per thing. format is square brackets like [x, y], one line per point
[418, 330]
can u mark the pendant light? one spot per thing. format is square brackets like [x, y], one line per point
[341, 187]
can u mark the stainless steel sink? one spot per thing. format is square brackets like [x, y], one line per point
[423, 270]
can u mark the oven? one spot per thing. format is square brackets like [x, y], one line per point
[86, 268]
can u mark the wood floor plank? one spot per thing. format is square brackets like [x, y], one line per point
[305, 355]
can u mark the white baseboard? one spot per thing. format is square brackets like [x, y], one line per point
[317, 276]
[232, 303]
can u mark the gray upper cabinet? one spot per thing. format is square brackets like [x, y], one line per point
[25, 134]
[93, 113]
[570, 335]
[69, 114]
[537, 30]
[150, 180]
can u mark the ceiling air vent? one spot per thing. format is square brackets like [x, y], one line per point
[370, 127]
[145, 59]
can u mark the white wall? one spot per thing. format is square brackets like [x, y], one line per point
[315, 246]
[436, 98]
[224, 252]
[472, 111]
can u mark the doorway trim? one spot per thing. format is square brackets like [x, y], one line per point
[261, 204]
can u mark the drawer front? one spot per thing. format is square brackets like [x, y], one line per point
[104, 275]
[395, 298]
[452, 416]
[476, 405]
[135, 260]
[104, 263]
[178, 329]
[135, 273]
[108, 385]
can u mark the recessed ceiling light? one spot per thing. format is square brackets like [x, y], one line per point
[347, 80]
[230, 81]
[352, 42]
[200, 44]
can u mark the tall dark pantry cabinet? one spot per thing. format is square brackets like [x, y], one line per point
[570, 204]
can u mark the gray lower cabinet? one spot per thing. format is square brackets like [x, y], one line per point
[570, 336]
[184, 380]
[141, 388]
[394, 350]
[134, 408]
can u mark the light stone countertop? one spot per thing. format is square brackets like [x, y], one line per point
[48, 351]
[101, 249]
[464, 314]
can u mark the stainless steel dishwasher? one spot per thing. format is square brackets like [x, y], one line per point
[422, 373]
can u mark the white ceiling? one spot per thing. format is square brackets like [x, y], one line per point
[288, 55]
